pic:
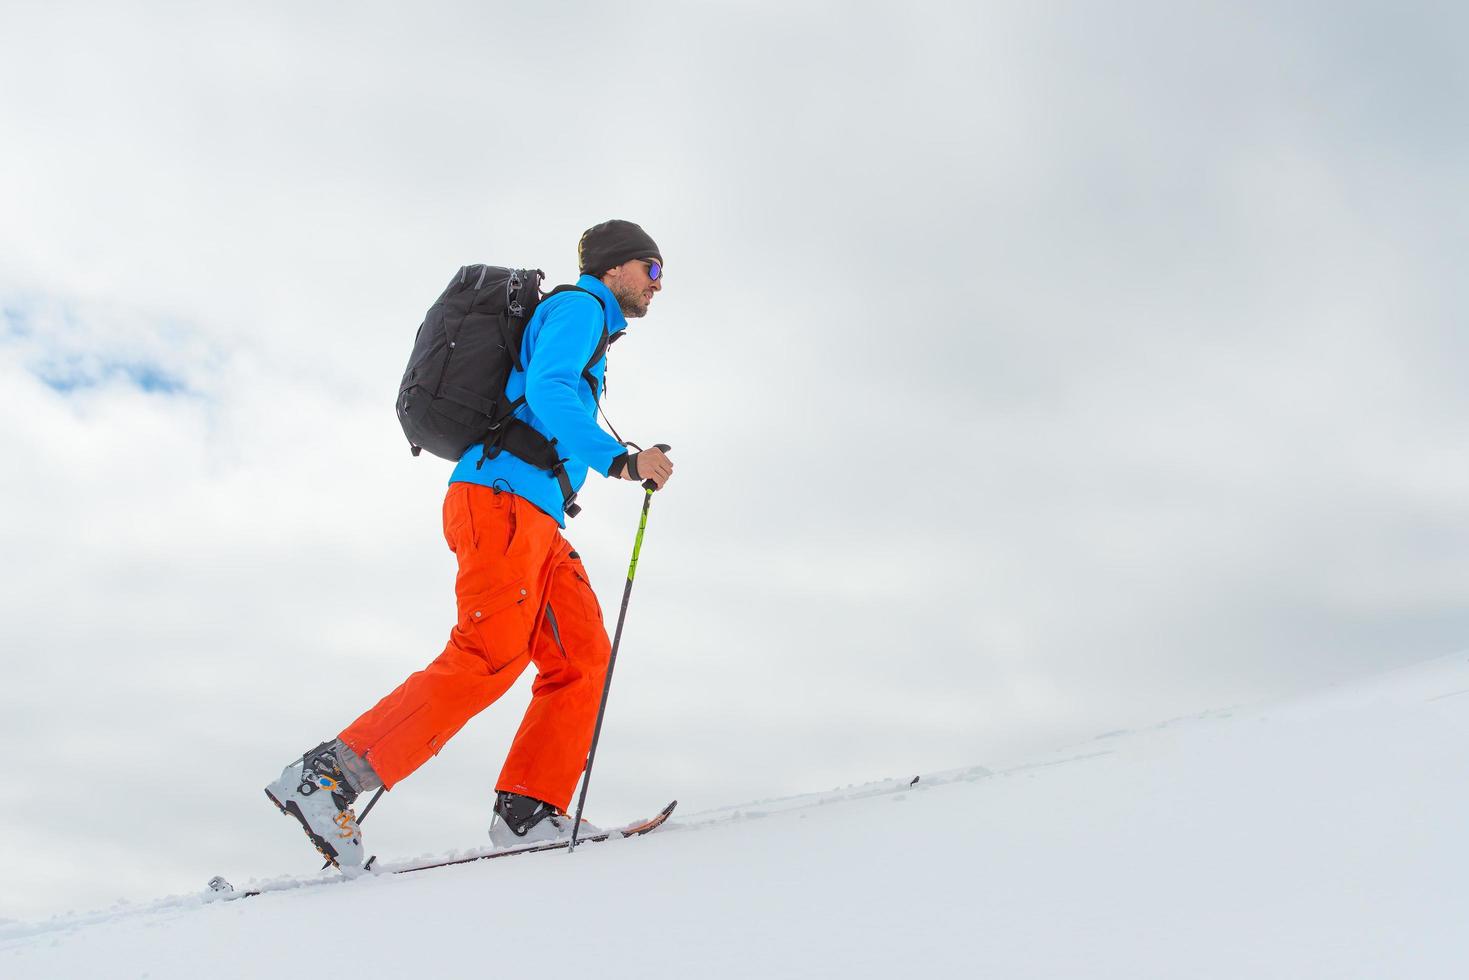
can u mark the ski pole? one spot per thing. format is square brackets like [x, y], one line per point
[371, 803]
[648, 487]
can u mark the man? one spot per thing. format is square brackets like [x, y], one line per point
[522, 592]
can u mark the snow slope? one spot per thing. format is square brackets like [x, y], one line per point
[1319, 837]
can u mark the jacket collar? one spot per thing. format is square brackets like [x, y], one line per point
[616, 322]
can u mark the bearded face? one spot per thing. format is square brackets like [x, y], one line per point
[629, 282]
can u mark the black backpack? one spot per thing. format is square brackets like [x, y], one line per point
[453, 391]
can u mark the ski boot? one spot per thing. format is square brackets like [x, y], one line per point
[316, 791]
[521, 820]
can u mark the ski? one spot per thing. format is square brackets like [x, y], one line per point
[632, 830]
[222, 890]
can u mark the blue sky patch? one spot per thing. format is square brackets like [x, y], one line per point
[15, 323]
[75, 374]
[70, 354]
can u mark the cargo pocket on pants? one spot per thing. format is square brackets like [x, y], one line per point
[588, 595]
[498, 620]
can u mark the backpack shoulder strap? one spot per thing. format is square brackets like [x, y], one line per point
[569, 288]
[602, 344]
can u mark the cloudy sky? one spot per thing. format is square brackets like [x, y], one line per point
[1032, 371]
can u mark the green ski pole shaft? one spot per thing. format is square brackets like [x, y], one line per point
[632, 570]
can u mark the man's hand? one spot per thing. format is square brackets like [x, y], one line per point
[650, 464]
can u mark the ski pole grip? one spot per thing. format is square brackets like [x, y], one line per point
[649, 484]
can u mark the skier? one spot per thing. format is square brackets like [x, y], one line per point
[522, 592]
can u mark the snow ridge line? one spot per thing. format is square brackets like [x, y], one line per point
[704, 820]
[1411, 678]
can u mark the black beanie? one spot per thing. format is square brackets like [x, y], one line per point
[612, 243]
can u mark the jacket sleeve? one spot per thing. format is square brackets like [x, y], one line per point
[553, 382]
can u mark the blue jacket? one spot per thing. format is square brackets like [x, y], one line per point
[560, 338]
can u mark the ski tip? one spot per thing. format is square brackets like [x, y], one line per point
[657, 821]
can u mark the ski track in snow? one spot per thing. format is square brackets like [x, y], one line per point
[1316, 836]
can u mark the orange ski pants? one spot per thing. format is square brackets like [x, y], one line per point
[523, 597]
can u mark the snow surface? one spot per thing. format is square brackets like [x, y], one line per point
[1320, 837]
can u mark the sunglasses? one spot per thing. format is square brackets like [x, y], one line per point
[655, 269]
